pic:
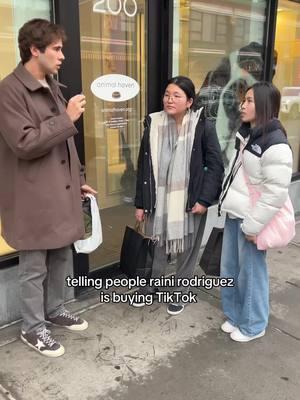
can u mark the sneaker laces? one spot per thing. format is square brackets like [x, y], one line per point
[45, 335]
[68, 315]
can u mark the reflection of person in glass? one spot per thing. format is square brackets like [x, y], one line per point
[263, 159]
[224, 88]
[41, 182]
[179, 175]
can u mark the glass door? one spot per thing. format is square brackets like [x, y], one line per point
[113, 61]
[219, 45]
[287, 72]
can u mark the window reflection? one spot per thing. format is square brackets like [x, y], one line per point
[112, 42]
[218, 45]
[223, 55]
[223, 90]
[287, 77]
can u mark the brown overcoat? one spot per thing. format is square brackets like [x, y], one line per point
[40, 173]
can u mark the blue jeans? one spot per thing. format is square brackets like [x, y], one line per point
[245, 305]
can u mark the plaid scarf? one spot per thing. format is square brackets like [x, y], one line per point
[171, 156]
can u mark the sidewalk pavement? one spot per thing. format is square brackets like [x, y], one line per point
[142, 354]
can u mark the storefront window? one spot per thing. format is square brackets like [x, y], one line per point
[13, 14]
[287, 75]
[113, 60]
[219, 45]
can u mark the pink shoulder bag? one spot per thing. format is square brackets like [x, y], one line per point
[280, 230]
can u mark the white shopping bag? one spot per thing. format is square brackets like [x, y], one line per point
[91, 243]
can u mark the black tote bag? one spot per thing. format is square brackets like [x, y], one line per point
[210, 260]
[137, 253]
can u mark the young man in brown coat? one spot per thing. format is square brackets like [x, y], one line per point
[41, 182]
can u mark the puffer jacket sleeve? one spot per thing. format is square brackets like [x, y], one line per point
[276, 167]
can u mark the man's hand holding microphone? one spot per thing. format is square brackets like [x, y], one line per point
[76, 107]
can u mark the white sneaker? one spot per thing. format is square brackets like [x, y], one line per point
[227, 327]
[175, 309]
[138, 303]
[238, 336]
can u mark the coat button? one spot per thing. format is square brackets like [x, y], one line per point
[68, 187]
[53, 109]
[145, 183]
[63, 161]
[146, 153]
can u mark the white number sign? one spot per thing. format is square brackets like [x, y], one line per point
[104, 6]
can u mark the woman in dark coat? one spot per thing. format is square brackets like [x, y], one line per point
[179, 176]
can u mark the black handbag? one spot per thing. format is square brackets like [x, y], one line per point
[210, 260]
[137, 253]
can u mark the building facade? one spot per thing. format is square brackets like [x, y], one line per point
[120, 54]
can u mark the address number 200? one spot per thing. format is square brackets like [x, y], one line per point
[99, 7]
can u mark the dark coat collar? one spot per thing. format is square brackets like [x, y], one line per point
[30, 82]
[272, 125]
[245, 130]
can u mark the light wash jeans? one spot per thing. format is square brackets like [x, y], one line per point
[245, 305]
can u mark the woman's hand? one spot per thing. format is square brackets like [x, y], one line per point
[139, 215]
[251, 238]
[199, 209]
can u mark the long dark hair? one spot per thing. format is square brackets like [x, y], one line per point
[185, 84]
[267, 102]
